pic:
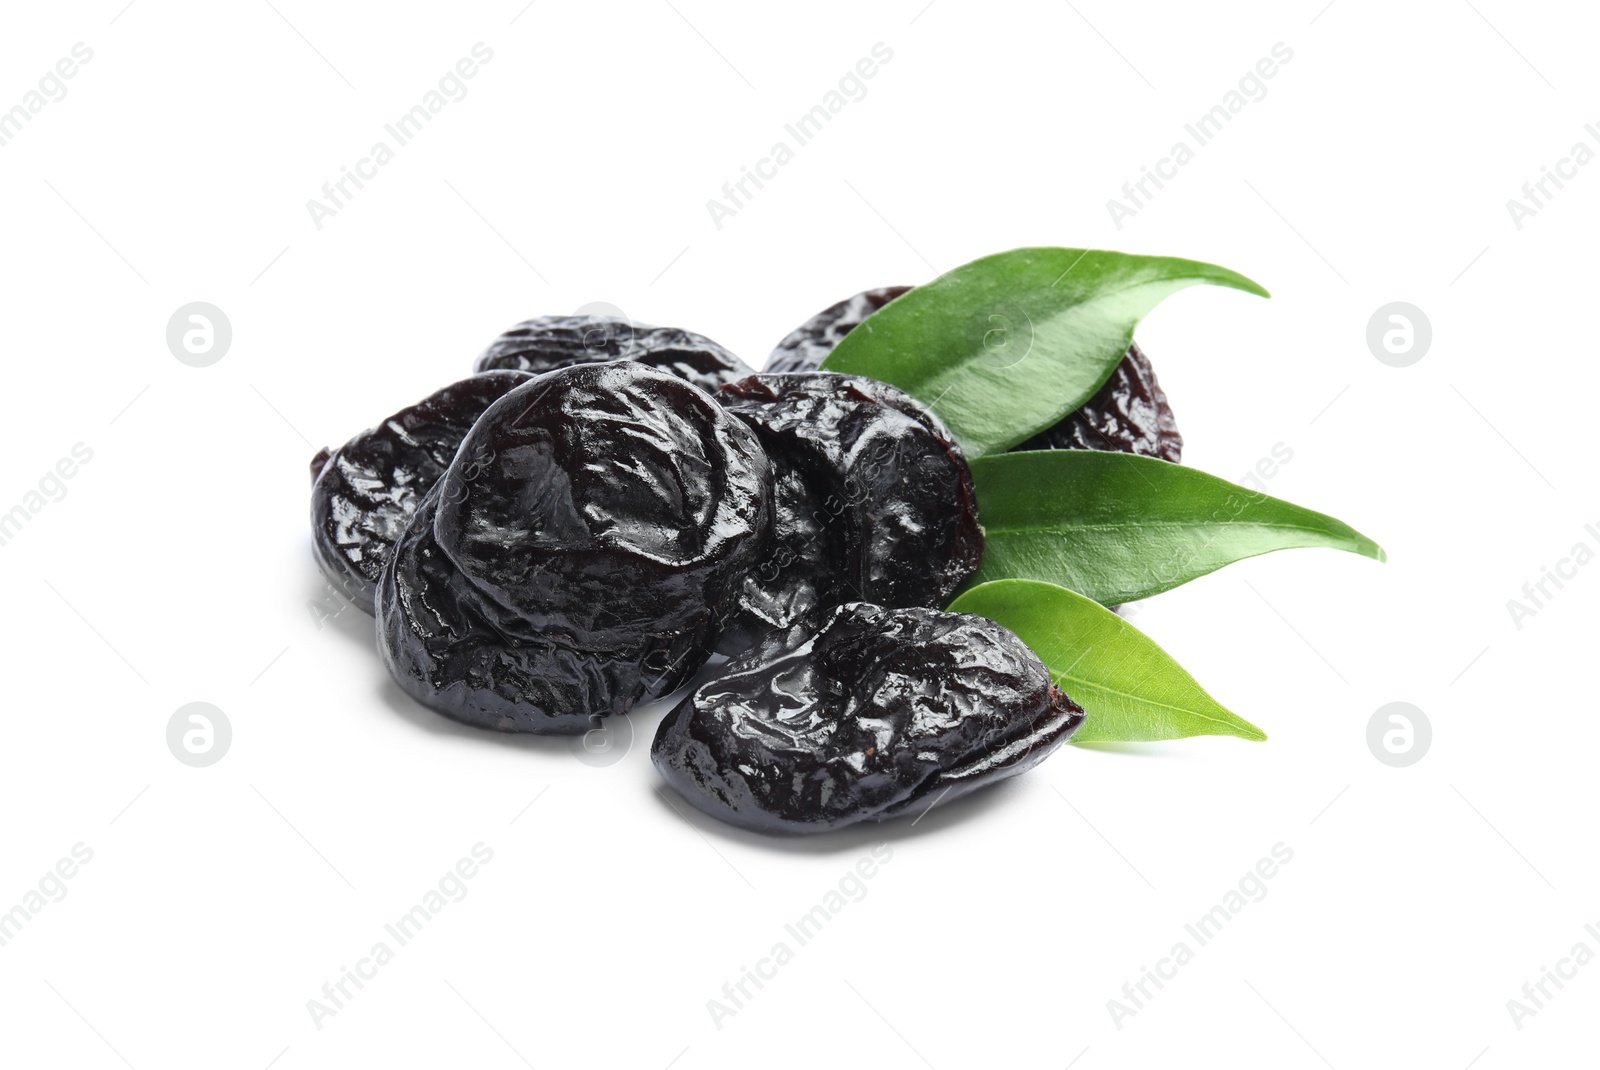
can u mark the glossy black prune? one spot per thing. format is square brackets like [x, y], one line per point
[1128, 414]
[873, 501]
[546, 343]
[364, 493]
[458, 651]
[577, 552]
[319, 461]
[804, 347]
[863, 714]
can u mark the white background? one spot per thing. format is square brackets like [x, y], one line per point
[177, 568]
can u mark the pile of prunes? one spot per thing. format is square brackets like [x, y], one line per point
[583, 523]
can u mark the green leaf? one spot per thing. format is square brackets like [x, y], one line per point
[1005, 346]
[1130, 688]
[1117, 527]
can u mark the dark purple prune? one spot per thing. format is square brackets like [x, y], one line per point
[577, 553]
[804, 347]
[546, 343]
[460, 652]
[862, 715]
[1128, 414]
[319, 461]
[364, 493]
[873, 501]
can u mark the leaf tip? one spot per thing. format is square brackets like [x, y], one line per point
[1368, 548]
[1363, 545]
[1237, 281]
[1240, 728]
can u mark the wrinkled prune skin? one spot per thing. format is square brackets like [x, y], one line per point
[461, 653]
[364, 493]
[803, 349]
[873, 501]
[1128, 414]
[577, 553]
[546, 343]
[319, 461]
[863, 714]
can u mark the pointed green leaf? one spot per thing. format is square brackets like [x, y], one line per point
[1117, 527]
[1130, 688]
[1007, 345]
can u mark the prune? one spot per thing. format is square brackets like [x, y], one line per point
[862, 715]
[803, 348]
[319, 461]
[546, 343]
[873, 500]
[577, 553]
[364, 493]
[1129, 413]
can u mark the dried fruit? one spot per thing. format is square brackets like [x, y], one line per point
[862, 715]
[873, 501]
[577, 552]
[546, 343]
[804, 347]
[364, 493]
[1128, 414]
